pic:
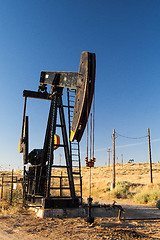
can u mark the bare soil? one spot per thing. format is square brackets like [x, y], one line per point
[24, 224]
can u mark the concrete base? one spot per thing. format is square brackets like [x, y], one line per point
[74, 212]
[104, 212]
[70, 213]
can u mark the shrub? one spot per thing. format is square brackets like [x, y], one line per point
[154, 195]
[16, 195]
[141, 197]
[148, 195]
[121, 189]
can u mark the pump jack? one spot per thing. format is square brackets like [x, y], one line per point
[39, 188]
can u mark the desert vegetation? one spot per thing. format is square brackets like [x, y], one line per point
[132, 186]
[132, 183]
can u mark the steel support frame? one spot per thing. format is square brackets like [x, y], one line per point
[66, 148]
[47, 155]
[52, 123]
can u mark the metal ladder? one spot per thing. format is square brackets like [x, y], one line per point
[74, 148]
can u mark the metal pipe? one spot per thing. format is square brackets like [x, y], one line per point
[24, 113]
[93, 122]
[150, 156]
[113, 174]
[139, 219]
[90, 182]
[90, 135]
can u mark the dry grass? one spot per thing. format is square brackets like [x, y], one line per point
[132, 182]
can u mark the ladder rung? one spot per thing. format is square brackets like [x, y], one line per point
[76, 173]
[64, 106]
[59, 176]
[59, 125]
[59, 188]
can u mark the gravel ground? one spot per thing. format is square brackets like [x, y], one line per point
[24, 225]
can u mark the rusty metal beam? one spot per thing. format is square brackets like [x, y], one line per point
[39, 95]
[61, 79]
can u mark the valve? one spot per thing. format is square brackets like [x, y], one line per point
[90, 162]
[90, 219]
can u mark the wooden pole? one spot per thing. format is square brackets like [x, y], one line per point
[109, 151]
[117, 160]
[2, 188]
[150, 157]
[122, 159]
[11, 199]
[113, 173]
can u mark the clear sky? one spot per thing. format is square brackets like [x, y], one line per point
[50, 35]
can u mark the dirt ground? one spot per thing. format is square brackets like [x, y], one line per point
[23, 224]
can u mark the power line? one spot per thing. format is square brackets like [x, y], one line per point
[120, 135]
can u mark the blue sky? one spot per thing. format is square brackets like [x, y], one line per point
[50, 35]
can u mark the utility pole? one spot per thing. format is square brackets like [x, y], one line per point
[113, 173]
[150, 158]
[109, 151]
[117, 160]
[122, 159]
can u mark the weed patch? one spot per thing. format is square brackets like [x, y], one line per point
[121, 189]
[148, 195]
